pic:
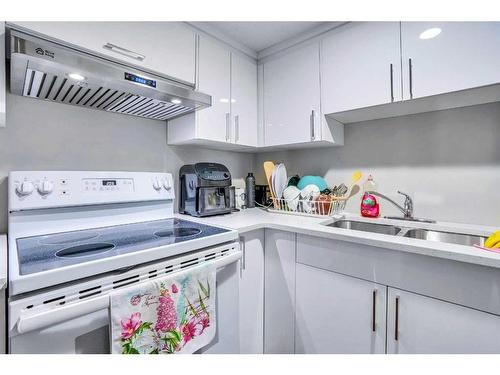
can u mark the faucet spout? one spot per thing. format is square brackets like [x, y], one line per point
[406, 209]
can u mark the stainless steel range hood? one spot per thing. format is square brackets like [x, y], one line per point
[50, 71]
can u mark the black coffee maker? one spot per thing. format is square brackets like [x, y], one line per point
[204, 189]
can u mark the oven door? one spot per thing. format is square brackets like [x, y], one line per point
[83, 327]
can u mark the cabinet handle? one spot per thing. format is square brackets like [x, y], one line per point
[374, 308]
[313, 136]
[410, 70]
[243, 257]
[124, 51]
[236, 128]
[396, 321]
[228, 120]
[392, 84]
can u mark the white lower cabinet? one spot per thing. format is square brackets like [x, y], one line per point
[252, 293]
[419, 324]
[279, 301]
[335, 313]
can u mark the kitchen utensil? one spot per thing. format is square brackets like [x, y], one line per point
[356, 176]
[268, 169]
[354, 190]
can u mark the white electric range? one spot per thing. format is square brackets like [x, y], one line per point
[76, 236]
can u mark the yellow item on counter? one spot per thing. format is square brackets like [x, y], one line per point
[493, 241]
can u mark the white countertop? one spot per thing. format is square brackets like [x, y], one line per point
[256, 218]
[3, 260]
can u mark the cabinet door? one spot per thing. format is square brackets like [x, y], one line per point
[244, 100]
[214, 79]
[167, 47]
[418, 324]
[252, 293]
[335, 313]
[464, 55]
[361, 66]
[292, 97]
[2, 74]
[279, 299]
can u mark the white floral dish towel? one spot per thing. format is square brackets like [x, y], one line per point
[174, 314]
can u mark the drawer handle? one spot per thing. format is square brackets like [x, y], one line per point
[124, 51]
[410, 71]
[392, 83]
[374, 309]
[396, 322]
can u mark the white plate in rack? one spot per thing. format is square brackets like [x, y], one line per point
[280, 180]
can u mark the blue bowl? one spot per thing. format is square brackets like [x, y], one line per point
[312, 180]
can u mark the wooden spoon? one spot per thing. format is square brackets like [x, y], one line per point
[268, 169]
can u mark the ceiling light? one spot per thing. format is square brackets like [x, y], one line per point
[76, 76]
[176, 101]
[430, 33]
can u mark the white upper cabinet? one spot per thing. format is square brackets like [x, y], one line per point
[214, 78]
[231, 121]
[167, 48]
[2, 74]
[244, 100]
[361, 66]
[463, 55]
[292, 97]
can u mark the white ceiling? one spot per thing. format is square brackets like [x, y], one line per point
[258, 36]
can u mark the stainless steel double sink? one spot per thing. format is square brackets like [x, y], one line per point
[418, 233]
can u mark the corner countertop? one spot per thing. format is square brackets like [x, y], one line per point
[256, 218]
[3, 260]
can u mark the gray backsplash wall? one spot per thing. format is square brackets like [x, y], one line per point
[448, 161]
[51, 136]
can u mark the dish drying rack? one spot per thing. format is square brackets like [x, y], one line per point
[307, 207]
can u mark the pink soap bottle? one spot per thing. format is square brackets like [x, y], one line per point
[369, 203]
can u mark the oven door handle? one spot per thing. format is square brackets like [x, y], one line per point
[47, 318]
[62, 314]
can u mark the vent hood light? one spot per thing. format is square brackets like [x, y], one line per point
[76, 76]
[176, 101]
[224, 100]
[430, 33]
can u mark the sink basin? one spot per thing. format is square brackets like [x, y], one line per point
[366, 227]
[448, 237]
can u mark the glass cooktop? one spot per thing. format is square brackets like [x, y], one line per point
[51, 251]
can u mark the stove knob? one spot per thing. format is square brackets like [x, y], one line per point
[156, 184]
[45, 187]
[25, 188]
[166, 184]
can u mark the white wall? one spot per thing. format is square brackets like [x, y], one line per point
[52, 136]
[448, 161]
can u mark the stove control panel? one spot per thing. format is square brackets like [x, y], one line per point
[50, 189]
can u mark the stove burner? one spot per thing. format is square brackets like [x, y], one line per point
[85, 250]
[178, 232]
[64, 238]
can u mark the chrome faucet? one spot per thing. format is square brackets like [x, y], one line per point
[406, 208]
